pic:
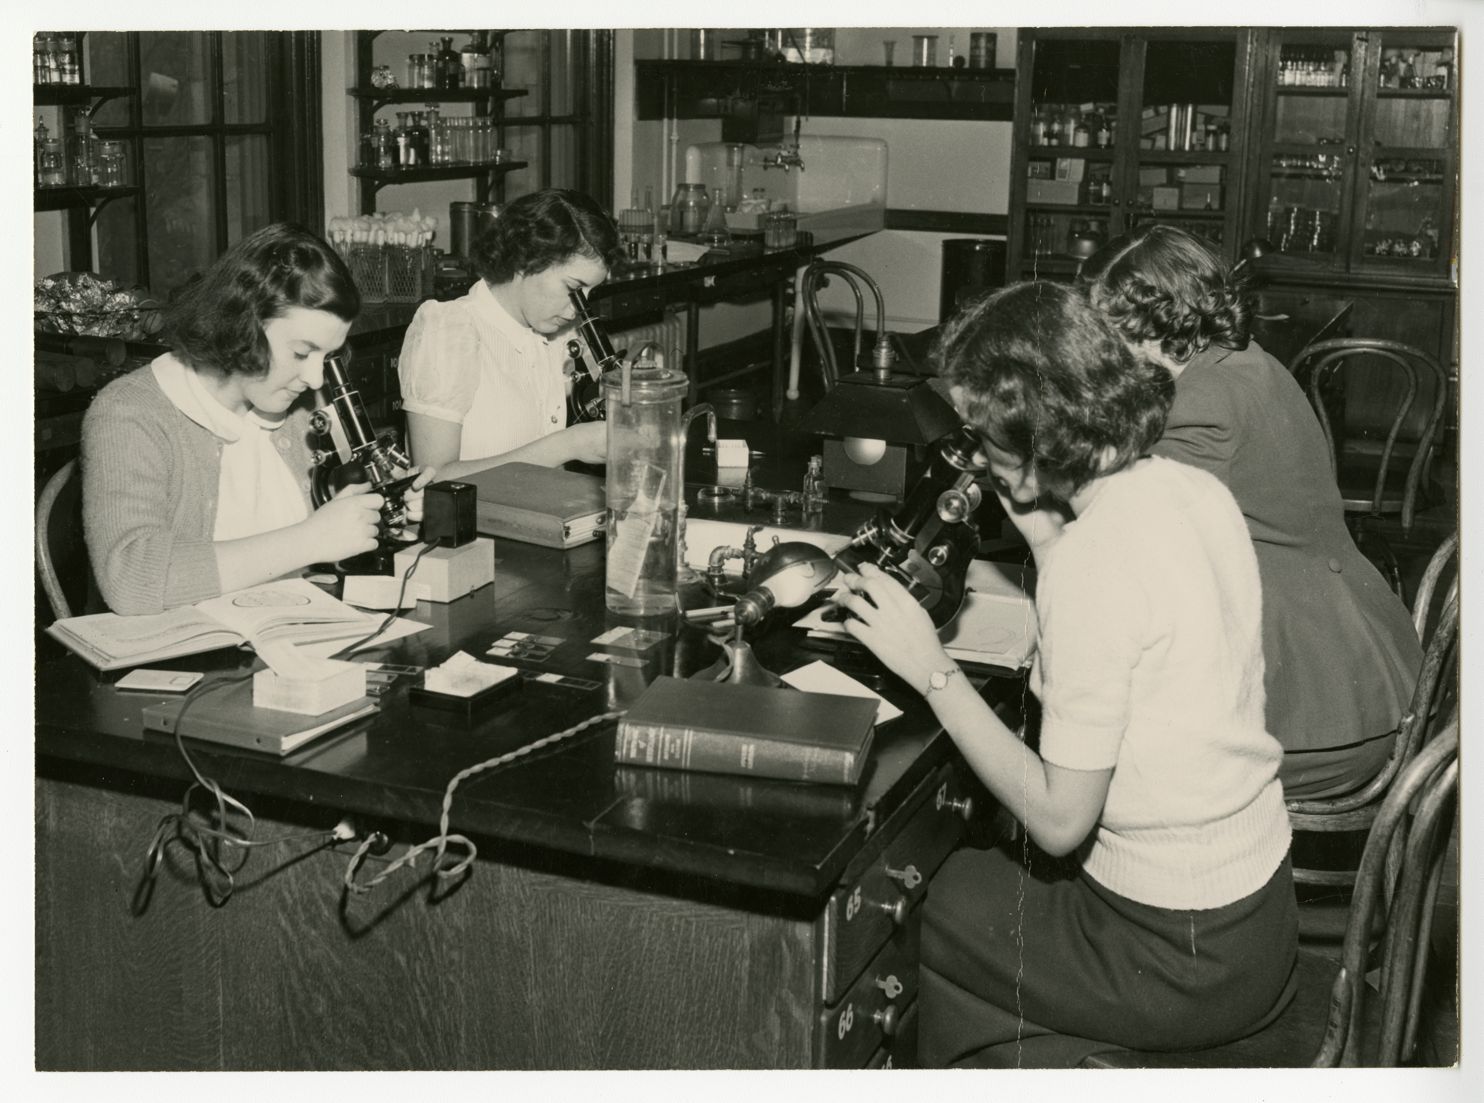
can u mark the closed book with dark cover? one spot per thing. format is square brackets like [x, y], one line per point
[539, 505]
[228, 716]
[750, 730]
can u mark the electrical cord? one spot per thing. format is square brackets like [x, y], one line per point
[212, 836]
[396, 607]
[441, 841]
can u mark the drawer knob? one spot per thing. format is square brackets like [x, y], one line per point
[890, 985]
[888, 1019]
[896, 910]
[964, 806]
[909, 877]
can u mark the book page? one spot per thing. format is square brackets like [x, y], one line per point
[121, 637]
[289, 609]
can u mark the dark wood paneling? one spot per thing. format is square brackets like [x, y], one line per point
[512, 969]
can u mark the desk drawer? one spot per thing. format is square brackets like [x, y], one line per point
[869, 1015]
[862, 914]
[900, 1050]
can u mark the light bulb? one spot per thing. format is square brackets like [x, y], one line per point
[864, 450]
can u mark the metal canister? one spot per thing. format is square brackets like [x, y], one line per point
[463, 223]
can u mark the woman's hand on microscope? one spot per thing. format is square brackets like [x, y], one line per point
[346, 525]
[889, 621]
[413, 499]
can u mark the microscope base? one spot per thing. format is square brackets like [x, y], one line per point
[738, 665]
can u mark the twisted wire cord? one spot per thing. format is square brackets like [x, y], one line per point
[441, 841]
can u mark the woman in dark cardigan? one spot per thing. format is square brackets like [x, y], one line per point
[1341, 654]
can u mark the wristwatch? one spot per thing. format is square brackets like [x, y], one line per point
[938, 679]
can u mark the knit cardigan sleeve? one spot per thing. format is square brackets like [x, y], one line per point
[149, 537]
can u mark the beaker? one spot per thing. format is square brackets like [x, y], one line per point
[645, 485]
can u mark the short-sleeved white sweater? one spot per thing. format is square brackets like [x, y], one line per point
[1150, 662]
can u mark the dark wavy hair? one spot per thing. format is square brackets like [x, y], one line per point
[1161, 283]
[543, 229]
[216, 322]
[1043, 376]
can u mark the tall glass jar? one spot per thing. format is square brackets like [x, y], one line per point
[646, 449]
[113, 165]
[450, 68]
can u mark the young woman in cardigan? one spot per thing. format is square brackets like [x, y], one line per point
[195, 468]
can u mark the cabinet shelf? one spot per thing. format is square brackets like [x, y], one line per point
[1182, 157]
[75, 95]
[385, 177]
[383, 96]
[1413, 94]
[1085, 153]
[1304, 90]
[71, 197]
[1096, 210]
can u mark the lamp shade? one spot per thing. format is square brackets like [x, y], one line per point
[902, 409]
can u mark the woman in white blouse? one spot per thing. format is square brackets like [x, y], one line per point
[484, 376]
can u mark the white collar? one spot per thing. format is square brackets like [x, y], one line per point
[185, 390]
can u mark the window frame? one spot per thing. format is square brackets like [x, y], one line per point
[291, 127]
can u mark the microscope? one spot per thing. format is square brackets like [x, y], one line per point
[929, 541]
[359, 455]
[586, 402]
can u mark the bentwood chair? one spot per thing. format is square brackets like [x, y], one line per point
[61, 557]
[1390, 403]
[1436, 622]
[1338, 1018]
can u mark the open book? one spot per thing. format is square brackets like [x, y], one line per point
[290, 611]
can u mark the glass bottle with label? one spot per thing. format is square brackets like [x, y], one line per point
[450, 67]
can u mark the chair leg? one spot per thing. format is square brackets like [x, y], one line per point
[1379, 551]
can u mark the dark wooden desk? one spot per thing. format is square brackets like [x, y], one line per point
[1284, 323]
[616, 917]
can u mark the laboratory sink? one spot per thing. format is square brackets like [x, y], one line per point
[833, 182]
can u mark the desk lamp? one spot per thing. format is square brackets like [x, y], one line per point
[785, 576]
[1253, 248]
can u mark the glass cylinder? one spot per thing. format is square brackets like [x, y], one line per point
[52, 166]
[113, 165]
[925, 49]
[646, 448]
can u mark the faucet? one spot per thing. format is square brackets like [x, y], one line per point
[787, 156]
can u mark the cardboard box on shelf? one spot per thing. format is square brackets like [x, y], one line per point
[1061, 192]
[1148, 177]
[1165, 199]
[1202, 174]
[1070, 168]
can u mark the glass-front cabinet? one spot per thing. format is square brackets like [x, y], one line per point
[1118, 128]
[1357, 163]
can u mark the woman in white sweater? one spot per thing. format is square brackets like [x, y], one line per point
[1155, 909]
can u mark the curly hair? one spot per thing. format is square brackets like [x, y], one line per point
[543, 229]
[216, 322]
[1042, 375]
[1161, 283]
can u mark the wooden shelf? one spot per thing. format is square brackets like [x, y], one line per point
[382, 96]
[386, 177]
[71, 197]
[1085, 153]
[1182, 157]
[1413, 94]
[1304, 90]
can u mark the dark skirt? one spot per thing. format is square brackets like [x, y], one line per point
[1010, 953]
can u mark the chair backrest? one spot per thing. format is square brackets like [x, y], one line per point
[1413, 825]
[1378, 404]
[1443, 564]
[61, 556]
[1429, 704]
